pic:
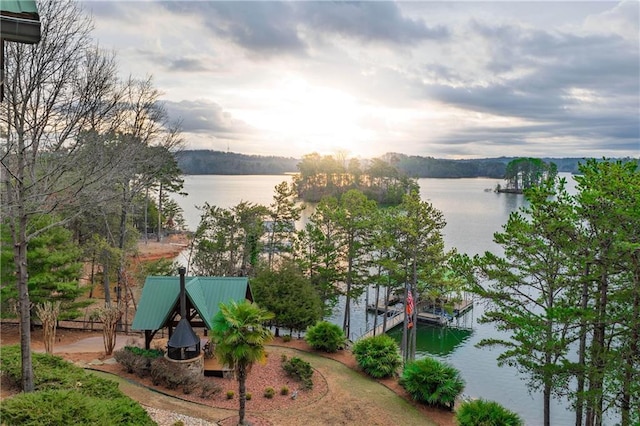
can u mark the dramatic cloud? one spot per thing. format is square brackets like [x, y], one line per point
[367, 21]
[444, 79]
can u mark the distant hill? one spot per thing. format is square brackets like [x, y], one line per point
[204, 162]
[207, 162]
[419, 167]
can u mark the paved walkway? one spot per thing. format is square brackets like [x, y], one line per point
[96, 344]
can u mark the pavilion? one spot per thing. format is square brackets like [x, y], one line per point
[160, 303]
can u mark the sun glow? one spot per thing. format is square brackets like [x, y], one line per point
[311, 118]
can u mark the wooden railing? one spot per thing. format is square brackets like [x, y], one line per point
[392, 321]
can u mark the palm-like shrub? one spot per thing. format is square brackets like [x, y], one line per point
[325, 336]
[378, 356]
[240, 336]
[432, 382]
[481, 412]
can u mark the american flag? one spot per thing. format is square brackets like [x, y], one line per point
[409, 303]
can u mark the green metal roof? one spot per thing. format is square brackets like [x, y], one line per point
[160, 295]
[19, 21]
[19, 6]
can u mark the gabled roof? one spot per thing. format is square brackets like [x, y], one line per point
[160, 297]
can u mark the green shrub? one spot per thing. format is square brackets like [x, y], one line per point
[69, 407]
[147, 353]
[284, 390]
[325, 336]
[432, 382]
[94, 386]
[481, 412]
[300, 370]
[247, 396]
[230, 394]
[269, 392]
[286, 338]
[51, 372]
[378, 356]
[65, 394]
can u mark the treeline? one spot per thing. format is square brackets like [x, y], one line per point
[208, 162]
[429, 167]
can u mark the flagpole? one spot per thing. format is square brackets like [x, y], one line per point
[403, 347]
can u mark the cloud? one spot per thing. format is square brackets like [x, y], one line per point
[623, 19]
[368, 21]
[264, 28]
[430, 78]
[579, 87]
[206, 117]
[285, 28]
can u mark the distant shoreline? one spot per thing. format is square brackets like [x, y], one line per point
[209, 162]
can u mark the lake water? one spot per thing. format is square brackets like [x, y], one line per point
[473, 215]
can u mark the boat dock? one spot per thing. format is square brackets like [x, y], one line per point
[381, 308]
[393, 321]
[425, 314]
[438, 316]
[435, 319]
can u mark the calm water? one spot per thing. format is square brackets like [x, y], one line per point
[473, 215]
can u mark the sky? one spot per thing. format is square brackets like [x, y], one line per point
[446, 79]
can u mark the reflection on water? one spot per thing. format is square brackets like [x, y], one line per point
[435, 341]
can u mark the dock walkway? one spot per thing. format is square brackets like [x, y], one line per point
[398, 318]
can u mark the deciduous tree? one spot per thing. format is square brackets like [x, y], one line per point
[52, 89]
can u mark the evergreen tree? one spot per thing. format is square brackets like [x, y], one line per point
[228, 241]
[524, 173]
[420, 246]
[320, 251]
[608, 203]
[287, 293]
[54, 268]
[283, 212]
[531, 290]
[354, 217]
